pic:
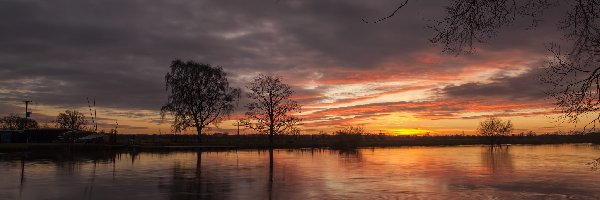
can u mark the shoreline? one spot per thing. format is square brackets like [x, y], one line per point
[259, 142]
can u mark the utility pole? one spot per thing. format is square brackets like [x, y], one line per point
[27, 113]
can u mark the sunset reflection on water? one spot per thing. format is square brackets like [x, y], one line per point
[475, 172]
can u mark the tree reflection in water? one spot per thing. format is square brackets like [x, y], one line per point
[88, 191]
[191, 183]
[270, 184]
[22, 177]
[350, 155]
[497, 160]
[65, 161]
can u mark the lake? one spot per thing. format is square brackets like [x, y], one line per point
[462, 172]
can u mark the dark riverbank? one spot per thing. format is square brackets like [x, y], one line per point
[224, 142]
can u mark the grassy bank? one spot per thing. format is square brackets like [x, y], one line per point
[11, 147]
[188, 142]
[333, 141]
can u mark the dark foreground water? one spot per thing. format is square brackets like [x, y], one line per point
[474, 172]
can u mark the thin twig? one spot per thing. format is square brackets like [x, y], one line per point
[391, 15]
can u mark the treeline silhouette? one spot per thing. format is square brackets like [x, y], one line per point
[335, 141]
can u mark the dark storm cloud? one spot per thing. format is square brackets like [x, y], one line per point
[523, 87]
[60, 52]
[10, 109]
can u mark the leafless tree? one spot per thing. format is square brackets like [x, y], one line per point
[200, 95]
[573, 72]
[390, 15]
[470, 21]
[271, 109]
[349, 137]
[475, 21]
[70, 119]
[15, 122]
[494, 129]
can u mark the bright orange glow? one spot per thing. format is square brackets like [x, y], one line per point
[410, 131]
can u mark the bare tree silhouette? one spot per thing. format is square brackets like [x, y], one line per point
[200, 95]
[16, 122]
[494, 129]
[574, 74]
[70, 119]
[467, 22]
[574, 71]
[389, 16]
[271, 109]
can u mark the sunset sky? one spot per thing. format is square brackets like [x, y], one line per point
[385, 77]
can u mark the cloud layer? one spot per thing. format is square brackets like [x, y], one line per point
[343, 70]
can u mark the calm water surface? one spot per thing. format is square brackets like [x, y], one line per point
[473, 172]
